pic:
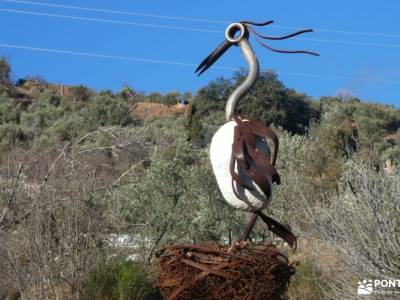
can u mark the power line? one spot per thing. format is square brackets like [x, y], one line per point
[131, 13]
[119, 12]
[183, 28]
[125, 58]
[108, 21]
[167, 62]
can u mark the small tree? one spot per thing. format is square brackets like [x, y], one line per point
[5, 71]
[81, 93]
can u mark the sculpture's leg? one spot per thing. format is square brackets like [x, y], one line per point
[249, 228]
[280, 230]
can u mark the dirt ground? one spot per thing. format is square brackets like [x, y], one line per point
[149, 110]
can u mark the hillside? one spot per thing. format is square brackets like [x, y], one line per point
[80, 169]
[149, 110]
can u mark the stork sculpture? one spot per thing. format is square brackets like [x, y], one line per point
[239, 150]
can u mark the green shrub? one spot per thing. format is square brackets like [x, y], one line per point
[43, 112]
[5, 71]
[80, 93]
[9, 112]
[12, 135]
[268, 101]
[64, 129]
[120, 280]
[171, 98]
[306, 283]
[126, 93]
[107, 111]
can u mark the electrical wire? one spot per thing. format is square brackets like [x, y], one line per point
[108, 21]
[119, 12]
[125, 58]
[167, 62]
[183, 28]
[131, 13]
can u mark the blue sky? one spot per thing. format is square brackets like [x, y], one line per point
[359, 43]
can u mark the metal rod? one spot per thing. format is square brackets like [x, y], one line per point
[249, 228]
[248, 83]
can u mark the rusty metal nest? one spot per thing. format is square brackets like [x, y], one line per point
[210, 271]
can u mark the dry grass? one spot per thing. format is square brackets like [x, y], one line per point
[149, 110]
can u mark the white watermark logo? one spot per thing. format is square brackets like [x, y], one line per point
[365, 287]
[379, 286]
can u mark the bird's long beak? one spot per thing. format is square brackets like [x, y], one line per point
[213, 57]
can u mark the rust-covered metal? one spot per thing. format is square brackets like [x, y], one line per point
[209, 271]
[259, 167]
[253, 163]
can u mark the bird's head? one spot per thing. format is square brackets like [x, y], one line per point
[239, 31]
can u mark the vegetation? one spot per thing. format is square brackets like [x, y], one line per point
[120, 280]
[86, 187]
[269, 101]
[5, 71]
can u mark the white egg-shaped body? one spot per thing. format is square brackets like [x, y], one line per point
[220, 155]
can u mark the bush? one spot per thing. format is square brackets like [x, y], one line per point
[358, 223]
[268, 101]
[80, 93]
[64, 129]
[373, 122]
[5, 70]
[12, 135]
[43, 112]
[9, 112]
[362, 224]
[171, 98]
[107, 111]
[121, 280]
[306, 282]
[126, 93]
[272, 103]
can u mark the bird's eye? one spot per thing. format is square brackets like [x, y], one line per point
[235, 32]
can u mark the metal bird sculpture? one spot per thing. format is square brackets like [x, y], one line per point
[239, 150]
